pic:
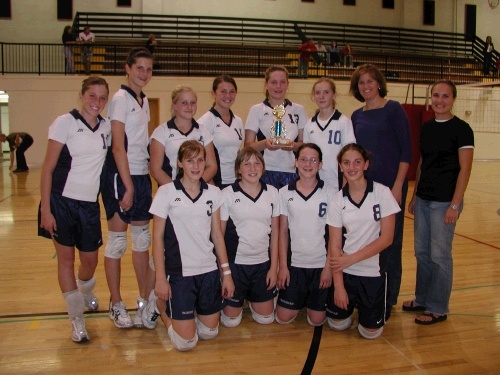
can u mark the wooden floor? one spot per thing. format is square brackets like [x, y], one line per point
[35, 333]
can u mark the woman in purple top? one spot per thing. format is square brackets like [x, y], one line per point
[381, 127]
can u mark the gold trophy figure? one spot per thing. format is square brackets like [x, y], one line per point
[278, 130]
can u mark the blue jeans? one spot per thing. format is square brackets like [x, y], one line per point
[303, 68]
[433, 242]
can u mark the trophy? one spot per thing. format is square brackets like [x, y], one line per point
[278, 130]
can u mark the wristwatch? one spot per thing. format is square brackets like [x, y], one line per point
[454, 207]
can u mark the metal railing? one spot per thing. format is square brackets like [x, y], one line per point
[198, 60]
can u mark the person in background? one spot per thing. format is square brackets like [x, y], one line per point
[361, 220]
[304, 276]
[329, 129]
[226, 129]
[151, 43]
[447, 150]
[382, 128]
[306, 50]
[86, 39]
[280, 159]
[250, 223]
[69, 212]
[69, 40]
[334, 53]
[487, 55]
[192, 270]
[19, 142]
[126, 187]
[322, 52]
[347, 53]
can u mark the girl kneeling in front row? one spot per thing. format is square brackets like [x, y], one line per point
[367, 211]
[186, 219]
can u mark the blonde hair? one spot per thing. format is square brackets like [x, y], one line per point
[272, 69]
[176, 94]
[332, 86]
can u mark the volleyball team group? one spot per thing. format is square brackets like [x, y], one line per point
[315, 223]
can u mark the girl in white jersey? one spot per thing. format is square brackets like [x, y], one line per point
[126, 186]
[69, 210]
[280, 161]
[329, 129]
[304, 277]
[168, 137]
[226, 128]
[188, 280]
[367, 211]
[250, 221]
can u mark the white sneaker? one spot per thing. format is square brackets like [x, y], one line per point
[91, 301]
[141, 304]
[119, 315]
[78, 331]
[150, 313]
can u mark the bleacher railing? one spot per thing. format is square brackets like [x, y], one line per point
[189, 60]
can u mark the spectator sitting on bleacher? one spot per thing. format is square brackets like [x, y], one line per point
[347, 53]
[322, 52]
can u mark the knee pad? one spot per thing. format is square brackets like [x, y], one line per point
[230, 322]
[86, 287]
[204, 332]
[370, 335]
[315, 324]
[340, 325]
[179, 343]
[261, 319]
[116, 246]
[74, 303]
[141, 237]
[278, 320]
[152, 263]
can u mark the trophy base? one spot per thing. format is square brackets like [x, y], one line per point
[282, 143]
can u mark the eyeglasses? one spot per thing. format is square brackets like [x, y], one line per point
[312, 160]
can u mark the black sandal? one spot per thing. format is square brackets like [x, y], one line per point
[434, 319]
[413, 307]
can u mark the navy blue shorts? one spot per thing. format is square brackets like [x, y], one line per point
[250, 284]
[200, 293]
[78, 223]
[278, 179]
[368, 294]
[112, 190]
[304, 290]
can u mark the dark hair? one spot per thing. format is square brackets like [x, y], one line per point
[354, 147]
[446, 82]
[375, 73]
[223, 78]
[189, 149]
[243, 155]
[66, 28]
[312, 146]
[136, 53]
[92, 81]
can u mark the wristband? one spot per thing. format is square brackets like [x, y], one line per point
[224, 265]
[228, 272]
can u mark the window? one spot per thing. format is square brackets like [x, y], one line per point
[349, 2]
[124, 3]
[64, 9]
[429, 12]
[5, 10]
[388, 4]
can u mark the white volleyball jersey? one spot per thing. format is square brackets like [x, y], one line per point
[260, 119]
[362, 223]
[172, 138]
[306, 224]
[188, 249]
[228, 139]
[248, 228]
[125, 108]
[330, 135]
[80, 162]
